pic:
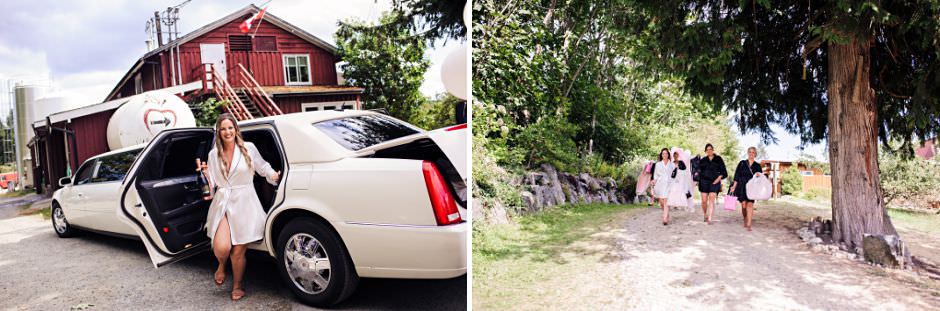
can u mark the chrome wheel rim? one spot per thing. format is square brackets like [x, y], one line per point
[58, 220]
[307, 263]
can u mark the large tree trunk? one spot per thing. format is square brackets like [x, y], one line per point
[857, 203]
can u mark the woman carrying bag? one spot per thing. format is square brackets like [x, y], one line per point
[746, 170]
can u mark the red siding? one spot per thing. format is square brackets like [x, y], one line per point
[91, 135]
[266, 67]
[54, 152]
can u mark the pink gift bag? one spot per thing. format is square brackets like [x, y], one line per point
[731, 202]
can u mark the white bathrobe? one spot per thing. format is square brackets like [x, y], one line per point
[662, 178]
[680, 185]
[236, 195]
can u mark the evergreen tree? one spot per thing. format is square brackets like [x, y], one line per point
[850, 72]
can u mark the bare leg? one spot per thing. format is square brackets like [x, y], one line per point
[238, 270]
[704, 206]
[221, 246]
[750, 215]
[662, 203]
[711, 206]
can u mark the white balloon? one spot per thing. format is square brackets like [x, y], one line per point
[467, 20]
[454, 72]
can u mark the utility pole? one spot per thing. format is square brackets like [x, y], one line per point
[156, 19]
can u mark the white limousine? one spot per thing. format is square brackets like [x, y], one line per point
[362, 195]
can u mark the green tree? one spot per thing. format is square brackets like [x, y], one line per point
[791, 181]
[434, 19]
[436, 113]
[388, 62]
[845, 71]
[907, 177]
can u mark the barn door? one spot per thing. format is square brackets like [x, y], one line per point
[214, 54]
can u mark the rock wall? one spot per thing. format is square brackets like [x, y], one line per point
[547, 187]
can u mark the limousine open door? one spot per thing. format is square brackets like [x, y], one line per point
[161, 198]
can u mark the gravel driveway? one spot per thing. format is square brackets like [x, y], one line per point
[39, 271]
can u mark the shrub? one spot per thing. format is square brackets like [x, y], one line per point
[907, 178]
[207, 111]
[792, 181]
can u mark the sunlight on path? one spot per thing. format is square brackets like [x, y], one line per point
[692, 265]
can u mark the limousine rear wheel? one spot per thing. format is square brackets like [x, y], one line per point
[60, 224]
[314, 264]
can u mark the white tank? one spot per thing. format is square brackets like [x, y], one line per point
[54, 102]
[145, 115]
[26, 95]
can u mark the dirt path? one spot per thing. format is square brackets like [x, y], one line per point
[640, 264]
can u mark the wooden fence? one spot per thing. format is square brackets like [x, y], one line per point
[817, 182]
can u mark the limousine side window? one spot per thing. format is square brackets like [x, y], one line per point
[114, 167]
[85, 173]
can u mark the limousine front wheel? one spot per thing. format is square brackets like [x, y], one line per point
[60, 224]
[314, 264]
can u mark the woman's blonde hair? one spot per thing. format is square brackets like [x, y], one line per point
[239, 141]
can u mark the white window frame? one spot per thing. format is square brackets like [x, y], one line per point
[309, 70]
[321, 105]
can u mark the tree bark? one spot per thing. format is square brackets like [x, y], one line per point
[857, 201]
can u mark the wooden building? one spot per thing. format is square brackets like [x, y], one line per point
[278, 69]
[296, 69]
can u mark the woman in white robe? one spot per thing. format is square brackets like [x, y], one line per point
[235, 217]
[662, 182]
[682, 182]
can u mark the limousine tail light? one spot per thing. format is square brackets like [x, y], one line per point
[442, 201]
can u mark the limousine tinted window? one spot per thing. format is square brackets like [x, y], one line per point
[355, 133]
[115, 166]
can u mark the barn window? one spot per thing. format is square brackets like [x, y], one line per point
[296, 69]
[344, 105]
[265, 44]
[239, 43]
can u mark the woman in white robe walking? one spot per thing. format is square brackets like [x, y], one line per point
[235, 217]
[662, 182]
[681, 182]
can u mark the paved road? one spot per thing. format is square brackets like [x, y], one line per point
[39, 271]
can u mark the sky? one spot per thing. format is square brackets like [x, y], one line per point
[786, 148]
[85, 47]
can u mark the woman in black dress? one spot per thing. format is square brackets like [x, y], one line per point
[746, 170]
[712, 170]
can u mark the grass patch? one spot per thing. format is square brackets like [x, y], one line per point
[924, 222]
[18, 193]
[509, 258]
[46, 213]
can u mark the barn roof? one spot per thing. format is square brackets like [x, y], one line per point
[252, 9]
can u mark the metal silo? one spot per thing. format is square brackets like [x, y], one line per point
[25, 95]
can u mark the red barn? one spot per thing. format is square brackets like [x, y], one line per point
[291, 67]
[279, 68]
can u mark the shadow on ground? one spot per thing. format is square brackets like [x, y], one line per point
[42, 271]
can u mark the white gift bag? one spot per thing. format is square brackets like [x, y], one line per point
[759, 188]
